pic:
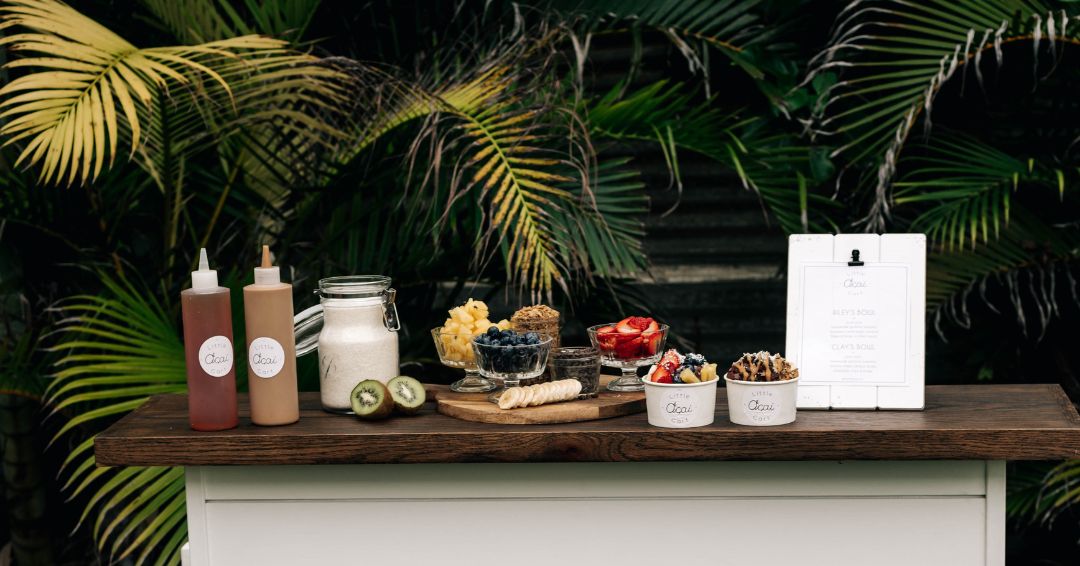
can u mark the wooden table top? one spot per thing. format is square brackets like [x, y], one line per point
[961, 422]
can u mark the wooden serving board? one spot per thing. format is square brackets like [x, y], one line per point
[475, 407]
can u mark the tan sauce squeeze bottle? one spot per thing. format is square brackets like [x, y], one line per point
[271, 347]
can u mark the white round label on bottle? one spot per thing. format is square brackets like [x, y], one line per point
[266, 357]
[216, 356]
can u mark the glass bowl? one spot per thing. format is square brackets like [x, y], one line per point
[455, 351]
[628, 351]
[512, 363]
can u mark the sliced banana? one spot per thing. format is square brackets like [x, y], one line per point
[510, 398]
[540, 394]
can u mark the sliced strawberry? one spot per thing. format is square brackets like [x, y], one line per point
[640, 322]
[662, 375]
[625, 327]
[653, 326]
[605, 338]
[627, 349]
[621, 337]
[671, 360]
[652, 342]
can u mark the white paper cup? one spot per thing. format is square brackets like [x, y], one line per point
[681, 405]
[761, 403]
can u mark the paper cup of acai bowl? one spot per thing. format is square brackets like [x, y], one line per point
[673, 403]
[761, 390]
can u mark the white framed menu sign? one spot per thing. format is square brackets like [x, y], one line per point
[856, 320]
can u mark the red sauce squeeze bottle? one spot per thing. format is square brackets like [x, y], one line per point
[208, 351]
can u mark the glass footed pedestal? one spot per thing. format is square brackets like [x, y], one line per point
[473, 382]
[493, 397]
[629, 381]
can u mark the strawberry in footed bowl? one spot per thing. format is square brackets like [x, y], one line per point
[629, 340]
[631, 343]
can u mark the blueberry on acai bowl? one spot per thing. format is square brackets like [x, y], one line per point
[511, 356]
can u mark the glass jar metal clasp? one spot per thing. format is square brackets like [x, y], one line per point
[390, 314]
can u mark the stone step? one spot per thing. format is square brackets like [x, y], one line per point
[708, 220]
[673, 247]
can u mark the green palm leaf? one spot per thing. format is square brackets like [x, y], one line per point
[892, 58]
[773, 164]
[1042, 491]
[505, 145]
[666, 114]
[114, 351]
[93, 89]
[198, 21]
[729, 26]
[962, 189]
[514, 153]
[1029, 260]
[600, 229]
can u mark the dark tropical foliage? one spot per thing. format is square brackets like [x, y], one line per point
[484, 144]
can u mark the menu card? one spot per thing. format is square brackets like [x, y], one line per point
[854, 324]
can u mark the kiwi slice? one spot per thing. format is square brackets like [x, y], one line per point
[408, 394]
[371, 400]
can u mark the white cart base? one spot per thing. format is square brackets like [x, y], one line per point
[948, 513]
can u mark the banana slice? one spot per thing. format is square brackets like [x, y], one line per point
[540, 395]
[510, 398]
[566, 387]
[547, 394]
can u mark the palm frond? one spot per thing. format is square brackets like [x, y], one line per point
[114, 351]
[601, 229]
[506, 154]
[887, 61]
[198, 21]
[962, 189]
[1030, 262]
[693, 26]
[962, 193]
[487, 131]
[666, 114]
[771, 163]
[92, 89]
[1028, 497]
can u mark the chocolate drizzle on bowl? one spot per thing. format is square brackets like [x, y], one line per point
[762, 366]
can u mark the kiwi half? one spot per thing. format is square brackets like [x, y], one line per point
[408, 394]
[371, 400]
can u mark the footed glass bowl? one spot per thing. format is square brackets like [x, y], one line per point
[455, 351]
[628, 351]
[511, 364]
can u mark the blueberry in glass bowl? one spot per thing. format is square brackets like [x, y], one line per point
[510, 356]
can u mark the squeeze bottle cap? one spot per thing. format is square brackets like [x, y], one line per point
[204, 277]
[267, 274]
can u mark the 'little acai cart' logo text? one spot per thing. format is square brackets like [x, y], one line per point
[266, 357]
[679, 407]
[216, 356]
[761, 406]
